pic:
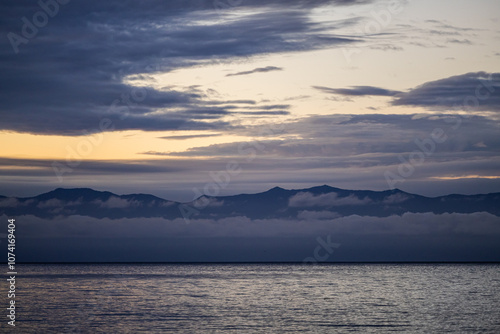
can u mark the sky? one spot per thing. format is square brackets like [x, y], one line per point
[170, 97]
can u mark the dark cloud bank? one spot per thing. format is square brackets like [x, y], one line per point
[477, 91]
[278, 225]
[66, 75]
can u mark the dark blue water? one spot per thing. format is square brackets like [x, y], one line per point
[255, 298]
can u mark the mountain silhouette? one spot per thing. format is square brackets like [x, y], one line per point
[274, 203]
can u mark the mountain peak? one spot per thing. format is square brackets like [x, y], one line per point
[323, 189]
[276, 190]
[61, 190]
[74, 193]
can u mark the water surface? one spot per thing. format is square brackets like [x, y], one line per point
[258, 298]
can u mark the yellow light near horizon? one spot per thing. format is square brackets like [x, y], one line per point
[29, 146]
[465, 177]
[122, 145]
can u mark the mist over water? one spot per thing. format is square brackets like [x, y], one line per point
[250, 298]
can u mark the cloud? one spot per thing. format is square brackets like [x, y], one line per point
[9, 202]
[478, 91]
[472, 91]
[396, 198]
[185, 137]
[358, 91]
[409, 237]
[307, 199]
[346, 137]
[84, 55]
[459, 41]
[430, 34]
[317, 215]
[308, 223]
[387, 47]
[256, 70]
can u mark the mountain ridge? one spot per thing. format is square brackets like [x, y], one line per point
[276, 202]
[277, 188]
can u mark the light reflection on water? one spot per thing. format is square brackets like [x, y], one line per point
[253, 298]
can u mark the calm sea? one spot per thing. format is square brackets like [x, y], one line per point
[257, 298]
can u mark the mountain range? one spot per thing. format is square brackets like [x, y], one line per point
[274, 203]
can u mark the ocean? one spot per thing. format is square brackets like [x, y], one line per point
[256, 298]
